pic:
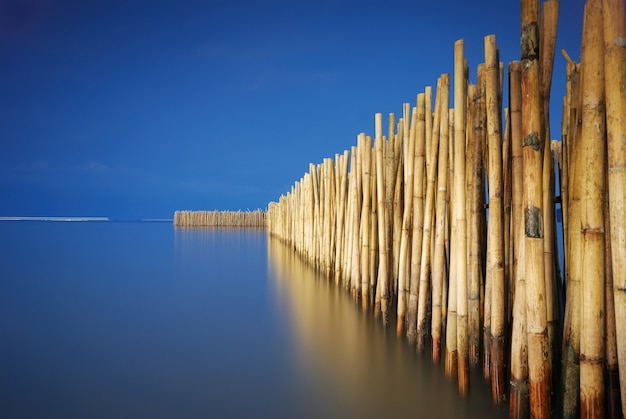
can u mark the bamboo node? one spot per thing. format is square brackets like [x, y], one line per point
[533, 222]
[532, 140]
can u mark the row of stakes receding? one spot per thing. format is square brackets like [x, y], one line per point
[216, 218]
[448, 221]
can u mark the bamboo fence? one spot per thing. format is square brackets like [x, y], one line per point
[220, 218]
[446, 225]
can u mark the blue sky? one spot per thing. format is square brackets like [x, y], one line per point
[132, 109]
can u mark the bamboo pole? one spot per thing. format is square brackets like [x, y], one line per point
[519, 393]
[615, 85]
[418, 212]
[570, 364]
[495, 238]
[458, 243]
[440, 225]
[547, 32]
[383, 273]
[592, 144]
[538, 345]
[407, 218]
[475, 215]
[429, 223]
[366, 153]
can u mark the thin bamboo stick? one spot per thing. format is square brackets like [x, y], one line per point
[366, 153]
[383, 273]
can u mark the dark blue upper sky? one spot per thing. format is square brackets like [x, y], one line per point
[137, 108]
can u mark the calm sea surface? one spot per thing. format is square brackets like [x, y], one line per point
[142, 320]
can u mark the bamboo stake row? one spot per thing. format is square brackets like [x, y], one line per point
[220, 218]
[445, 226]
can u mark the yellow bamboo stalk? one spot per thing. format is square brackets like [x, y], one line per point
[518, 407]
[458, 242]
[427, 236]
[407, 218]
[383, 265]
[475, 214]
[495, 238]
[418, 212]
[570, 366]
[366, 153]
[593, 146]
[547, 31]
[615, 84]
[538, 345]
[439, 263]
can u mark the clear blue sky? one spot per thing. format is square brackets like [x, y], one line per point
[133, 109]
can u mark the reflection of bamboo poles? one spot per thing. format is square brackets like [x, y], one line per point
[615, 70]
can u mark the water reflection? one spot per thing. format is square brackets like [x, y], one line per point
[356, 367]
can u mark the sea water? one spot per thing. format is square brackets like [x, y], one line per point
[102, 319]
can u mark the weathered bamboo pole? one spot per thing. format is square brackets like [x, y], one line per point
[592, 146]
[366, 154]
[495, 238]
[407, 217]
[341, 214]
[570, 362]
[538, 345]
[613, 397]
[475, 215]
[518, 407]
[547, 33]
[383, 266]
[615, 85]
[427, 236]
[458, 242]
[418, 214]
[440, 225]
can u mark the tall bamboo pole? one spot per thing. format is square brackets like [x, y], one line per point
[475, 209]
[418, 214]
[538, 345]
[547, 32]
[615, 82]
[458, 243]
[592, 144]
[495, 238]
[518, 407]
[570, 363]
[429, 222]
[407, 218]
[440, 225]
[366, 153]
[383, 266]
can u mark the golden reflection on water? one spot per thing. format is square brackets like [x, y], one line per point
[355, 366]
